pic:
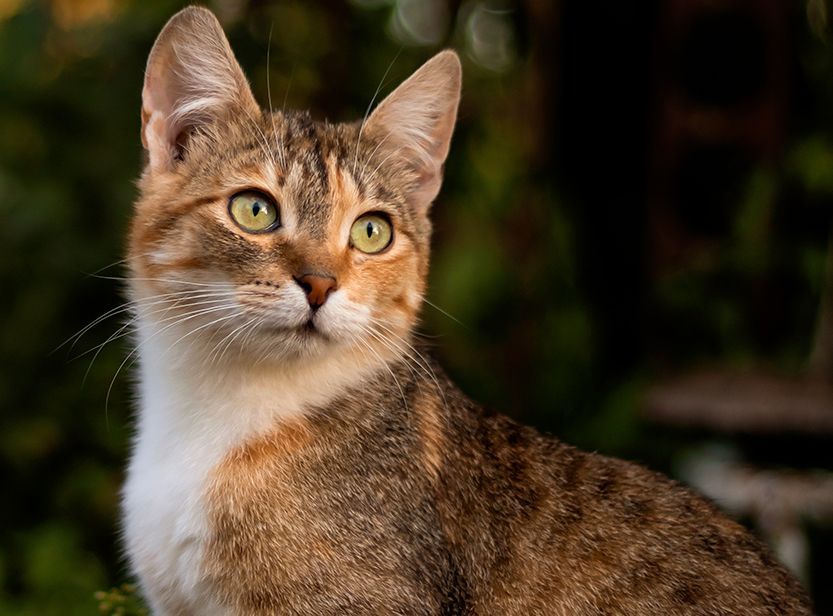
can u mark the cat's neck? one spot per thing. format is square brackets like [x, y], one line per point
[185, 391]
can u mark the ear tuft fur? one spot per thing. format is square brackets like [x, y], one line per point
[192, 78]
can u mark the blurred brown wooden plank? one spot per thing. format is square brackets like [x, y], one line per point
[728, 401]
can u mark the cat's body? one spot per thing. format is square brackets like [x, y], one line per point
[365, 505]
[295, 453]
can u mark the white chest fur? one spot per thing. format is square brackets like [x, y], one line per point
[192, 413]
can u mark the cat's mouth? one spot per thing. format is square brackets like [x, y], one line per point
[307, 330]
[310, 328]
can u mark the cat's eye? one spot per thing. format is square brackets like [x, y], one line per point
[253, 212]
[371, 233]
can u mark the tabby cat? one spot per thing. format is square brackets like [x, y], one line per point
[296, 452]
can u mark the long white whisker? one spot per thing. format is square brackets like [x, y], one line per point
[391, 345]
[384, 363]
[252, 330]
[369, 107]
[242, 332]
[120, 333]
[283, 108]
[379, 166]
[376, 149]
[396, 349]
[216, 354]
[264, 141]
[449, 315]
[135, 318]
[424, 364]
[154, 335]
[281, 153]
[200, 328]
[169, 280]
[114, 264]
[169, 298]
[132, 304]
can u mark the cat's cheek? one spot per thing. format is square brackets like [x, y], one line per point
[408, 302]
[170, 256]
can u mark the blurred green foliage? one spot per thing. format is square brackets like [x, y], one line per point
[121, 601]
[524, 336]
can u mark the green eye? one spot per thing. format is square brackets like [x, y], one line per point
[371, 233]
[253, 212]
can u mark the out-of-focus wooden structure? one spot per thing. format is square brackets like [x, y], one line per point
[722, 401]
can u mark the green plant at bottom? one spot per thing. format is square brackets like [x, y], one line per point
[121, 601]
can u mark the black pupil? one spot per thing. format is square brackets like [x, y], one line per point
[369, 230]
[256, 208]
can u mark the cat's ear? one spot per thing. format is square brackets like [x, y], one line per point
[192, 78]
[418, 118]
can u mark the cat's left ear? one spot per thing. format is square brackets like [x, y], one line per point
[417, 119]
[192, 79]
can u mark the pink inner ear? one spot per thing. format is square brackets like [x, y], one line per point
[157, 105]
[428, 187]
[156, 141]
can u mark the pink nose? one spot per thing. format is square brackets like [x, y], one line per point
[317, 288]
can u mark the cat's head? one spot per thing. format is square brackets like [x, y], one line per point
[268, 230]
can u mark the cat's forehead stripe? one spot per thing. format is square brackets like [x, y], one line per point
[303, 148]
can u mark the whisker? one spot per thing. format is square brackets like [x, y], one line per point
[449, 315]
[215, 352]
[388, 344]
[201, 327]
[244, 341]
[288, 87]
[370, 106]
[134, 353]
[169, 280]
[379, 166]
[267, 352]
[263, 139]
[126, 306]
[278, 142]
[385, 364]
[115, 263]
[154, 335]
[250, 326]
[135, 318]
[376, 149]
[424, 364]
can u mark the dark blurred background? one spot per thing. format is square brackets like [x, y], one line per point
[633, 242]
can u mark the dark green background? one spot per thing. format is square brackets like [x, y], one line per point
[542, 252]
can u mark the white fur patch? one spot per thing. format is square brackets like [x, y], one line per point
[192, 413]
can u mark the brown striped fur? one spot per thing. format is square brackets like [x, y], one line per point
[376, 514]
[398, 495]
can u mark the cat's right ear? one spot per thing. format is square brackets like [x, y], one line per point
[192, 78]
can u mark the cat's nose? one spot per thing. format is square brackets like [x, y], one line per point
[317, 287]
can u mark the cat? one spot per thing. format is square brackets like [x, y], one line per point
[296, 451]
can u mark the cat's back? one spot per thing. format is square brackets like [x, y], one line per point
[546, 528]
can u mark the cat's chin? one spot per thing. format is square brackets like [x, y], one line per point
[303, 341]
[290, 344]
[280, 344]
[308, 343]
[306, 330]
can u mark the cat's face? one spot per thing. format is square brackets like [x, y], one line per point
[273, 233]
[271, 223]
